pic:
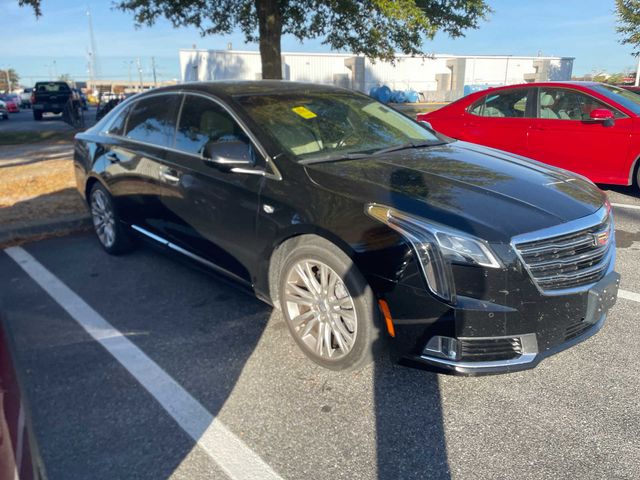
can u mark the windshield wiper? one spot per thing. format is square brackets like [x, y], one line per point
[334, 157]
[405, 146]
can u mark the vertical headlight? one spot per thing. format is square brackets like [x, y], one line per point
[436, 247]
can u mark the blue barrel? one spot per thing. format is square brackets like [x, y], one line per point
[398, 96]
[411, 96]
[373, 93]
[383, 94]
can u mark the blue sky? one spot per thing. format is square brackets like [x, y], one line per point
[57, 42]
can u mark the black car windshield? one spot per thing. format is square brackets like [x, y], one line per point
[326, 125]
[627, 99]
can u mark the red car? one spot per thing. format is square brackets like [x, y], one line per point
[589, 128]
[13, 105]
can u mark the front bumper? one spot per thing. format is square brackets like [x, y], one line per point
[547, 330]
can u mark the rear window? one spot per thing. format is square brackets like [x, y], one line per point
[52, 87]
[153, 120]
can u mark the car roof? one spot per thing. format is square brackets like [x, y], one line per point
[226, 88]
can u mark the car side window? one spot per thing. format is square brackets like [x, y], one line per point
[504, 104]
[203, 121]
[117, 126]
[153, 120]
[568, 104]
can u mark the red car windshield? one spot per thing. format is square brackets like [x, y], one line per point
[629, 100]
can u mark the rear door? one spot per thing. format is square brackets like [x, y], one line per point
[563, 135]
[212, 210]
[500, 119]
[135, 161]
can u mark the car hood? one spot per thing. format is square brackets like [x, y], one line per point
[483, 191]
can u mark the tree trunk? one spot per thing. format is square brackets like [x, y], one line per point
[270, 29]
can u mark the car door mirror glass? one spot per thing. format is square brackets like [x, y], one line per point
[234, 153]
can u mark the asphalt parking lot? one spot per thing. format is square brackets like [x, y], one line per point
[23, 121]
[142, 367]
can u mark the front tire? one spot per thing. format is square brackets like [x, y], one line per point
[329, 307]
[111, 232]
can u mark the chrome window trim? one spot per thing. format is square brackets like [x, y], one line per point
[274, 174]
[189, 254]
[567, 228]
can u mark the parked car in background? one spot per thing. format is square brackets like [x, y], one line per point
[25, 98]
[51, 97]
[589, 128]
[12, 102]
[82, 98]
[357, 222]
[4, 113]
[631, 88]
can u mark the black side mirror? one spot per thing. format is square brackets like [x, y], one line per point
[228, 155]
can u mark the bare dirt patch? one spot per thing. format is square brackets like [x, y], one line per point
[34, 189]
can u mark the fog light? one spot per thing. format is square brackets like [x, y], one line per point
[443, 347]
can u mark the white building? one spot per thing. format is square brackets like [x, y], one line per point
[437, 77]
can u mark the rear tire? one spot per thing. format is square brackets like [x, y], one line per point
[37, 116]
[329, 307]
[112, 234]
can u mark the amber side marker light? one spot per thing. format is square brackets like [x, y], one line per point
[387, 317]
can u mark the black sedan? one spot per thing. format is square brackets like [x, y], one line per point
[360, 224]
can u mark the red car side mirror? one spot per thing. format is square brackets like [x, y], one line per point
[603, 115]
[600, 114]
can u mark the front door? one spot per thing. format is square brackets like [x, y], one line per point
[213, 210]
[563, 135]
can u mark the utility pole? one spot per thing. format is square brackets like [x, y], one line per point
[637, 82]
[153, 69]
[93, 57]
[139, 71]
[55, 71]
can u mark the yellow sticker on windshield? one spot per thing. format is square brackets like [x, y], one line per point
[304, 112]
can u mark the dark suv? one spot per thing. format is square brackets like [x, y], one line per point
[358, 222]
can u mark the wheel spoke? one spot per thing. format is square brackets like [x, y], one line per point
[289, 297]
[312, 278]
[303, 317]
[309, 326]
[327, 339]
[320, 338]
[342, 334]
[301, 292]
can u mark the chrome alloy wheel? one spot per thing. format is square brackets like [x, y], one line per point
[103, 218]
[320, 309]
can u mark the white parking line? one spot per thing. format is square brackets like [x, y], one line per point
[228, 451]
[629, 295]
[624, 205]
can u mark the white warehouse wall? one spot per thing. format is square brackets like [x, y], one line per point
[416, 73]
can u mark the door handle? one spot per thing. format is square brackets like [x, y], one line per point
[112, 157]
[537, 128]
[169, 175]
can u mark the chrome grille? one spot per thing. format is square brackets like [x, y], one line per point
[569, 260]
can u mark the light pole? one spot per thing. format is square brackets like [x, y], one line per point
[129, 63]
[139, 71]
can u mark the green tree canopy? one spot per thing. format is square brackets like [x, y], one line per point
[628, 12]
[375, 28]
[14, 78]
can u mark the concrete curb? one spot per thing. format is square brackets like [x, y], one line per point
[17, 233]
